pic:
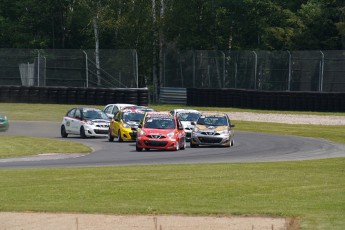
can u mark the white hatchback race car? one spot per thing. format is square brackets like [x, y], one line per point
[86, 122]
[187, 116]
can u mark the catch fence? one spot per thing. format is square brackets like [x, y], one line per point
[319, 71]
[72, 68]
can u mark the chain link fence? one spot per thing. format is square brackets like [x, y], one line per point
[321, 71]
[73, 68]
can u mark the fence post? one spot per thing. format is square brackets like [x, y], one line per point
[290, 71]
[255, 67]
[87, 70]
[322, 63]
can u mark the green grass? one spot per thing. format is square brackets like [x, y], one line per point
[55, 112]
[310, 190]
[18, 146]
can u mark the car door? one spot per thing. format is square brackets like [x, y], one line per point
[77, 121]
[181, 132]
[68, 120]
[116, 123]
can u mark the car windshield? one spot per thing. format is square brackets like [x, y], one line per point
[94, 114]
[212, 121]
[188, 116]
[160, 123]
[132, 117]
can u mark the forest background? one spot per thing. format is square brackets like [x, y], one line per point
[152, 25]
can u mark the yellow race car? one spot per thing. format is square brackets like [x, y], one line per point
[124, 124]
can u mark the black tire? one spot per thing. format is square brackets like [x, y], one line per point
[82, 132]
[177, 146]
[184, 145]
[138, 149]
[110, 136]
[119, 136]
[64, 134]
[193, 145]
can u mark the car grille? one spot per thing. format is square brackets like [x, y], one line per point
[210, 133]
[156, 143]
[103, 126]
[210, 140]
[100, 131]
[156, 136]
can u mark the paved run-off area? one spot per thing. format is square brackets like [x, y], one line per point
[65, 221]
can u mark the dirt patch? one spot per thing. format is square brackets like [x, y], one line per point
[69, 221]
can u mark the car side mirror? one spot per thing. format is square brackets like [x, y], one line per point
[140, 126]
[193, 123]
[232, 126]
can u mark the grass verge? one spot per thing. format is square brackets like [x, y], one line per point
[311, 190]
[18, 146]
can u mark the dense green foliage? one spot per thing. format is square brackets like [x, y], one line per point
[148, 26]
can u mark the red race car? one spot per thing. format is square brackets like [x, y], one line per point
[163, 132]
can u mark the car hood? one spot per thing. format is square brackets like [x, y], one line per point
[210, 127]
[99, 120]
[157, 131]
[133, 123]
[186, 123]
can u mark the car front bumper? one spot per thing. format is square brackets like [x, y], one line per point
[150, 143]
[216, 140]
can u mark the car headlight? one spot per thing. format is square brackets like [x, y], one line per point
[125, 125]
[89, 123]
[171, 135]
[225, 131]
[195, 130]
[142, 133]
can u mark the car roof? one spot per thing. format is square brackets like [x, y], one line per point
[186, 111]
[213, 114]
[158, 114]
[121, 105]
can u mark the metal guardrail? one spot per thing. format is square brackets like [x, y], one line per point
[173, 95]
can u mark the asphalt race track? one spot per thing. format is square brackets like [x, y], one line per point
[249, 147]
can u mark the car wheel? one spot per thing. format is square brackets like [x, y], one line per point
[110, 136]
[177, 146]
[192, 145]
[232, 142]
[82, 132]
[119, 137]
[63, 132]
[138, 148]
[184, 145]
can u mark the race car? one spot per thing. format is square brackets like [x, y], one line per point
[3, 123]
[124, 124]
[187, 116]
[112, 109]
[212, 129]
[86, 122]
[161, 131]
